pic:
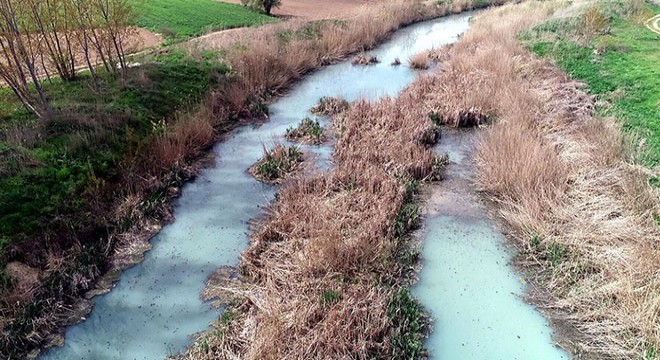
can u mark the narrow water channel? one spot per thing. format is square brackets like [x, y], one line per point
[155, 307]
[466, 282]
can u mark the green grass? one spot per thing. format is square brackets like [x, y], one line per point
[330, 297]
[622, 68]
[308, 131]
[78, 149]
[182, 19]
[408, 325]
[278, 163]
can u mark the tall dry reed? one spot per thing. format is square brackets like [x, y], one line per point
[581, 214]
[263, 63]
[321, 270]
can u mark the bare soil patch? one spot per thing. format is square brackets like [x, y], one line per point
[318, 9]
[144, 39]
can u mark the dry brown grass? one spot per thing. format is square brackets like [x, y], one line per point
[262, 66]
[265, 65]
[365, 59]
[582, 215]
[332, 233]
[419, 61]
[330, 106]
[312, 264]
[594, 22]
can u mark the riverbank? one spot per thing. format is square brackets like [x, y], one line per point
[564, 181]
[135, 199]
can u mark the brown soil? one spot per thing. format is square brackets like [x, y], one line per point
[144, 39]
[317, 9]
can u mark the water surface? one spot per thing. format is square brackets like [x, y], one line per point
[155, 307]
[466, 282]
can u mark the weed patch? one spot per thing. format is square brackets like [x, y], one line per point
[409, 325]
[330, 106]
[308, 132]
[277, 163]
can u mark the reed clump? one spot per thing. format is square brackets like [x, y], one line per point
[419, 61]
[310, 271]
[277, 163]
[583, 216]
[365, 59]
[308, 131]
[330, 106]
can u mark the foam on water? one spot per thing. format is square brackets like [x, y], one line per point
[155, 307]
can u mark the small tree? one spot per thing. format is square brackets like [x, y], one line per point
[19, 46]
[262, 5]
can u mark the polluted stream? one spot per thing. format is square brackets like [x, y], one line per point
[155, 309]
[466, 283]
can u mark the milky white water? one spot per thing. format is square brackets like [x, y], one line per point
[155, 307]
[466, 282]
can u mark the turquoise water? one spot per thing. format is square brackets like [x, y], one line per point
[155, 307]
[466, 282]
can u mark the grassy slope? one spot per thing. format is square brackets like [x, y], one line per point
[625, 72]
[181, 19]
[83, 145]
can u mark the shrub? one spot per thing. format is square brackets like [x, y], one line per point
[262, 5]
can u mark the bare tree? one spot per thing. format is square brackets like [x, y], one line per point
[52, 20]
[84, 35]
[52, 35]
[19, 55]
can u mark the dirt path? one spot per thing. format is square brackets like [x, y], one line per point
[317, 9]
[654, 24]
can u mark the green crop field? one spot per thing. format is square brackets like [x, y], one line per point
[181, 19]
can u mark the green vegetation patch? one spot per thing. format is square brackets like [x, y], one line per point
[308, 131]
[181, 19]
[277, 163]
[409, 324]
[621, 65]
[50, 168]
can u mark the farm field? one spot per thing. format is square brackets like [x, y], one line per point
[178, 20]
